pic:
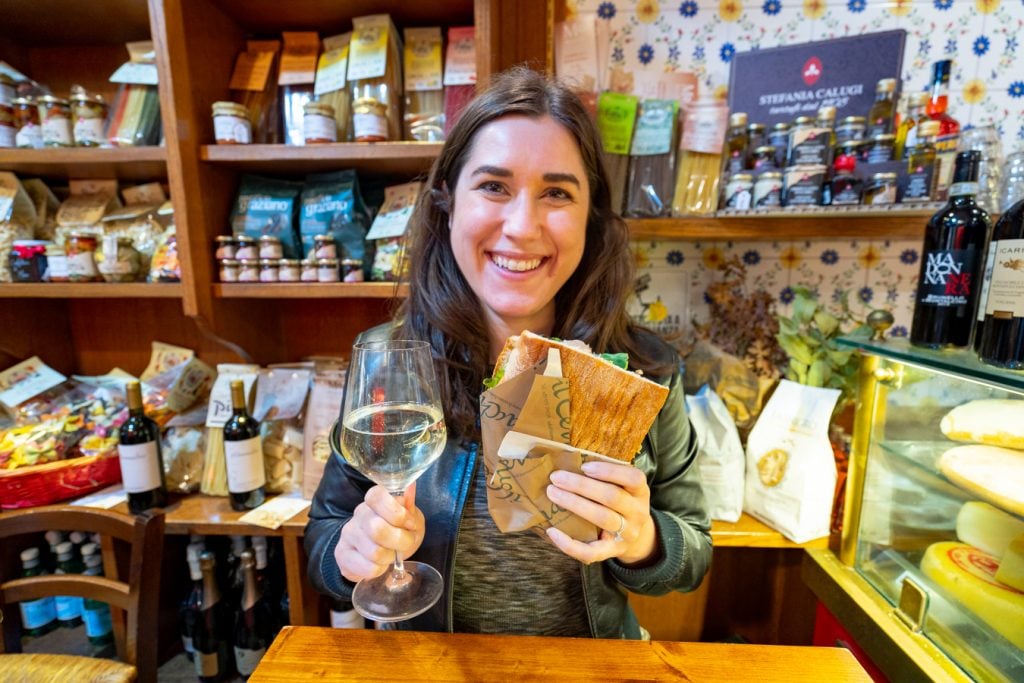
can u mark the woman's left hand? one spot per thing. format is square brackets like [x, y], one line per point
[615, 497]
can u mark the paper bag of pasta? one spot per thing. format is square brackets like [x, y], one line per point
[553, 405]
[791, 471]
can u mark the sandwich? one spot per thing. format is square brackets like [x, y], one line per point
[611, 408]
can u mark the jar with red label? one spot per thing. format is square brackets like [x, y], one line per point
[29, 132]
[8, 131]
[81, 257]
[89, 113]
[55, 117]
[28, 260]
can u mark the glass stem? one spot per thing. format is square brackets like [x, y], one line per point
[398, 571]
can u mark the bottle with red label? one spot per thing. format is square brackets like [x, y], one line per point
[952, 260]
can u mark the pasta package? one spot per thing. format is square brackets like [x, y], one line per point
[135, 115]
[459, 73]
[700, 161]
[254, 85]
[423, 119]
[331, 82]
[375, 79]
[616, 117]
[296, 80]
[651, 181]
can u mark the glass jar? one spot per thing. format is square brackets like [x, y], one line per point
[28, 260]
[56, 263]
[231, 124]
[764, 158]
[308, 270]
[318, 124]
[229, 268]
[8, 128]
[246, 247]
[248, 270]
[288, 270]
[369, 120]
[1011, 189]
[270, 247]
[29, 132]
[89, 113]
[739, 191]
[778, 138]
[352, 270]
[117, 260]
[55, 119]
[327, 270]
[881, 148]
[796, 135]
[268, 270]
[768, 190]
[81, 257]
[324, 246]
[852, 148]
[226, 247]
[881, 190]
[7, 89]
[851, 128]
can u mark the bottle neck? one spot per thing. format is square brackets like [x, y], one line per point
[211, 594]
[250, 592]
[940, 98]
[963, 192]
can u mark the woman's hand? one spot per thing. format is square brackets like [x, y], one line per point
[380, 525]
[613, 496]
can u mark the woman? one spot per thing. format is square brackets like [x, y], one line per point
[516, 231]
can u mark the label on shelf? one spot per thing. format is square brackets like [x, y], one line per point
[244, 464]
[140, 467]
[368, 53]
[422, 59]
[1006, 289]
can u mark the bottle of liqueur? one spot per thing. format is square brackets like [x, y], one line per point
[737, 141]
[98, 626]
[949, 127]
[37, 616]
[253, 629]
[951, 263]
[906, 131]
[921, 165]
[211, 638]
[243, 452]
[142, 464]
[1002, 332]
[883, 111]
[190, 607]
[69, 607]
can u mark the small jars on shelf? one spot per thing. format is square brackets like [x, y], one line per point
[81, 257]
[55, 118]
[231, 124]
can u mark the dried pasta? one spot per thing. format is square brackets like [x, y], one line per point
[697, 183]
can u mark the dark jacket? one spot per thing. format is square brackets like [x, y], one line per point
[677, 505]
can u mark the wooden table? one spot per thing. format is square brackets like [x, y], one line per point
[303, 653]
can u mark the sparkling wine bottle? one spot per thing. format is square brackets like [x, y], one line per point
[211, 638]
[243, 451]
[254, 621]
[949, 283]
[1002, 332]
[190, 607]
[142, 464]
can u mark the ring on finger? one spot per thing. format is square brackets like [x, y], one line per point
[622, 527]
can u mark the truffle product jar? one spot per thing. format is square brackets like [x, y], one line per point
[269, 270]
[89, 113]
[327, 270]
[288, 270]
[248, 270]
[229, 269]
[55, 119]
[881, 148]
[351, 270]
[768, 190]
[246, 247]
[29, 131]
[764, 158]
[851, 128]
[270, 247]
[226, 247]
[231, 124]
[881, 190]
[739, 191]
[369, 120]
[308, 270]
[318, 124]
[324, 247]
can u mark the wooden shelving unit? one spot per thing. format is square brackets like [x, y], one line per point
[124, 163]
[311, 290]
[90, 290]
[383, 158]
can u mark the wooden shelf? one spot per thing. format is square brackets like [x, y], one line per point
[269, 16]
[750, 533]
[90, 290]
[311, 290]
[123, 163]
[895, 224]
[54, 22]
[212, 515]
[400, 158]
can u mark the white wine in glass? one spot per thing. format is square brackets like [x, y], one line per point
[392, 430]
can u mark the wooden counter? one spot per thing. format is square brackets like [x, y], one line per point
[324, 654]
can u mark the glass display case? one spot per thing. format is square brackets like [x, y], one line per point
[934, 519]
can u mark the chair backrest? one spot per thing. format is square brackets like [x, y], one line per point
[133, 602]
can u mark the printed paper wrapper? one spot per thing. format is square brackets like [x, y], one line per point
[525, 425]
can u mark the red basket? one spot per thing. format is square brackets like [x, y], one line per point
[57, 481]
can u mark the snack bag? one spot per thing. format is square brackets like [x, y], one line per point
[720, 460]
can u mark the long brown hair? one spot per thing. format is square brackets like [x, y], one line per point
[441, 307]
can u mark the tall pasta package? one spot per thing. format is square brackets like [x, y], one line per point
[375, 79]
[700, 160]
[135, 115]
[424, 96]
[331, 87]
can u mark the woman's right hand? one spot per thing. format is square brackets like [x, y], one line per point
[381, 525]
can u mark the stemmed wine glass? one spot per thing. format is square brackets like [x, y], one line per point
[392, 429]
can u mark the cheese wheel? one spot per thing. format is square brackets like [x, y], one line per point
[1011, 567]
[968, 575]
[993, 473]
[992, 421]
[987, 528]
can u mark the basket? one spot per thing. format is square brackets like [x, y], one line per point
[57, 481]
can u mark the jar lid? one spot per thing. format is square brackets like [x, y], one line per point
[308, 262]
[801, 120]
[765, 149]
[81, 236]
[884, 176]
[29, 243]
[268, 263]
[245, 239]
[321, 108]
[886, 85]
[781, 125]
[230, 108]
[229, 262]
[24, 101]
[225, 239]
[884, 137]
[248, 262]
[269, 239]
[323, 238]
[351, 262]
[738, 119]
[774, 175]
[329, 262]
[288, 262]
[855, 120]
[86, 97]
[50, 99]
[755, 127]
[741, 176]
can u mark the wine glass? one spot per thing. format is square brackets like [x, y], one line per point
[392, 429]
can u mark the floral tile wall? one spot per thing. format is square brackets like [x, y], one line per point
[702, 36]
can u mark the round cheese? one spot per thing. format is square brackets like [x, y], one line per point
[992, 421]
[992, 473]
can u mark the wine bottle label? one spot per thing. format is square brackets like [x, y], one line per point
[69, 608]
[97, 622]
[37, 613]
[206, 663]
[246, 660]
[140, 467]
[244, 460]
[948, 277]
[986, 281]
[1006, 289]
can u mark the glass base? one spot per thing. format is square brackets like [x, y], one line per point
[390, 598]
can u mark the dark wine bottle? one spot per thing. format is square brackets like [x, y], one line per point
[1002, 332]
[211, 638]
[949, 283]
[142, 464]
[192, 605]
[243, 452]
[253, 625]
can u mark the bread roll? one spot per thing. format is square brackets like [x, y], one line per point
[992, 421]
[992, 473]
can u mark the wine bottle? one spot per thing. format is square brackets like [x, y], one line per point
[1002, 332]
[142, 464]
[69, 607]
[188, 610]
[211, 637]
[99, 628]
[253, 626]
[234, 571]
[951, 263]
[37, 616]
[243, 454]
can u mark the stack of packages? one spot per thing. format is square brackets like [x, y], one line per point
[89, 237]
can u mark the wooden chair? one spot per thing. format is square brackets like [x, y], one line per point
[133, 603]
